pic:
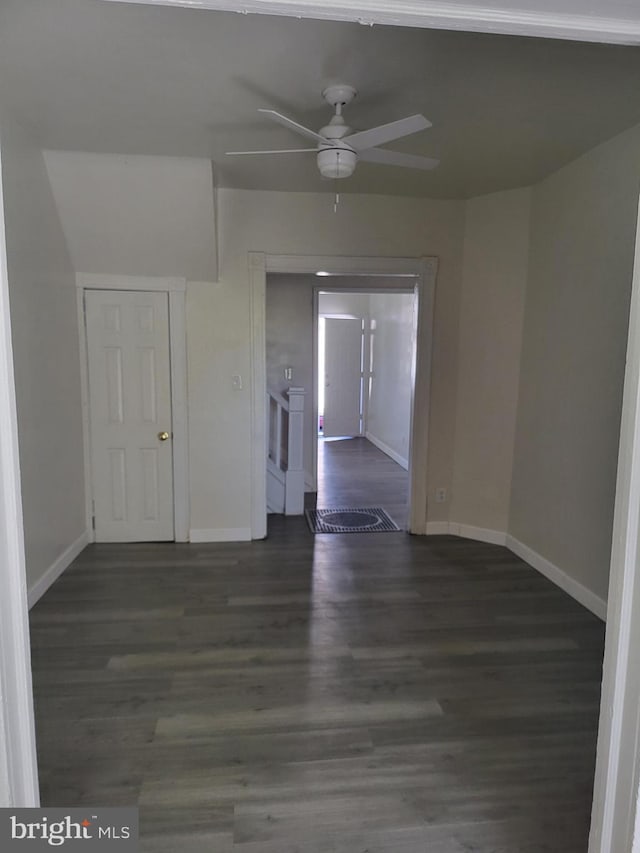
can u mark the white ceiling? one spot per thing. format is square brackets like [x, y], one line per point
[120, 78]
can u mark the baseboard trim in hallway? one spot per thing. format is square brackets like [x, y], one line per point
[38, 589]
[466, 531]
[480, 534]
[437, 528]
[588, 599]
[391, 453]
[584, 596]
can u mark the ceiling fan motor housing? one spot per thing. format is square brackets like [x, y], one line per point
[337, 162]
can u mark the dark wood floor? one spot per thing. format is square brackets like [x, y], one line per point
[363, 693]
[352, 472]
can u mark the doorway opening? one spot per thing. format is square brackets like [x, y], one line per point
[347, 349]
[346, 415]
[348, 273]
[365, 374]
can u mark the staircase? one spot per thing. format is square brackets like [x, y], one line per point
[285, 471]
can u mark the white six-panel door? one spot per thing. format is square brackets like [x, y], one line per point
[343, 376]
[130, 415]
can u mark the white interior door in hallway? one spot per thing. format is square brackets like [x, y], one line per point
[343, 338]
[130, 415]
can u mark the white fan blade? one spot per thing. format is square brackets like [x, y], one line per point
[293, 125]
[387, 132]
[396, 158]
[275, 151]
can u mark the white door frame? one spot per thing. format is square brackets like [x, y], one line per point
[18, 764]
[615, 796]
[423, 272]
[176, 289]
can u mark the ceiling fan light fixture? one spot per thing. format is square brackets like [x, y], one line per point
[338, 148]
[337, 162]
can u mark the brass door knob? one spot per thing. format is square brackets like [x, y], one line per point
[163, 436]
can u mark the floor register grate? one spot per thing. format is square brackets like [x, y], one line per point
[370, 519]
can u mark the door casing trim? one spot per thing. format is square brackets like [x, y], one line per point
[18, 761]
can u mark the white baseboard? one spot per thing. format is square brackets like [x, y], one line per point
[575, 589]
[481, 534]
[38, 589]
[466, 531]
[404, 463]
[437, 528]
[220, 534]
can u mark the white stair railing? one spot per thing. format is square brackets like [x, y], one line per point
[285, 468]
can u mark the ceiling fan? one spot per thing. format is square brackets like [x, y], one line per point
[338, 149]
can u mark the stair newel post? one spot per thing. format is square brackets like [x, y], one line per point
[294, 498]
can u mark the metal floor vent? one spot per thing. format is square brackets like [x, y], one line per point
[370, 519]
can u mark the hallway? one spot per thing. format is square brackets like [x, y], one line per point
[305, 694]
[352, 472]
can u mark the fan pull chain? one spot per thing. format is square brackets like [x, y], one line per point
[336, 203]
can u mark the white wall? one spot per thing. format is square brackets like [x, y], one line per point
[496, 246]
[219, 323]
[136, 215]
[46, 356]
[391, 343]
[573, 356]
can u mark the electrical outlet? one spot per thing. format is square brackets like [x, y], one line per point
[288, 373]
[441, 496]
[236, 382]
